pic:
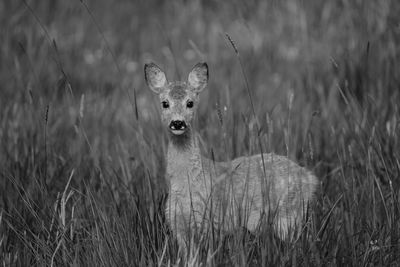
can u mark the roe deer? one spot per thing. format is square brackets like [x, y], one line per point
[227, 194]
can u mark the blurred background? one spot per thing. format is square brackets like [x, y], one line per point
[324, 77]
[80, 63]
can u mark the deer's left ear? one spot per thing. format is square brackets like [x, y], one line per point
[155, 77]
[198, 77]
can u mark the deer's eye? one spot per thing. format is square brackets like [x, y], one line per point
[165, 104]
[189, 104]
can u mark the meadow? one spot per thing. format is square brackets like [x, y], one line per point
[82, 147]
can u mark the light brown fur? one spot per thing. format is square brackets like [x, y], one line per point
[241, 192]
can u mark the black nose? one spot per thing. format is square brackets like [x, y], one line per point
[177, 125]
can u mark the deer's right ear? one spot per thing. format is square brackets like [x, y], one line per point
[155, 77]
[198, 77]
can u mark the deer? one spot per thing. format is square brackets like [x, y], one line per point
[238, 193]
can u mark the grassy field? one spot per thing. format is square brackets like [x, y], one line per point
[82, 147]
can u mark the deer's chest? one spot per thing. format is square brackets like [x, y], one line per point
[187, 190]
[184, 179]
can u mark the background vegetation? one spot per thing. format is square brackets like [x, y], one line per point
[81, 159]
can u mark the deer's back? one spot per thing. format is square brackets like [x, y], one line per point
[242, 189]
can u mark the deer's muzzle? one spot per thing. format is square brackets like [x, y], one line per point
[177, 127]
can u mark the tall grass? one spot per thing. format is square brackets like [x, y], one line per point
[82, 148]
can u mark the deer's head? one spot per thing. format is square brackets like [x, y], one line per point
[178, 100]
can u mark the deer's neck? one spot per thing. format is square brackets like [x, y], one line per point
[183, 157]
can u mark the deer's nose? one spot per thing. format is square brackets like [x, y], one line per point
[177, 125]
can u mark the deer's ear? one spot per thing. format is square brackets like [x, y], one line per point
[198, 77]
[155, 77]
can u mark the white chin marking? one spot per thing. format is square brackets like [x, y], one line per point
[177, 132]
